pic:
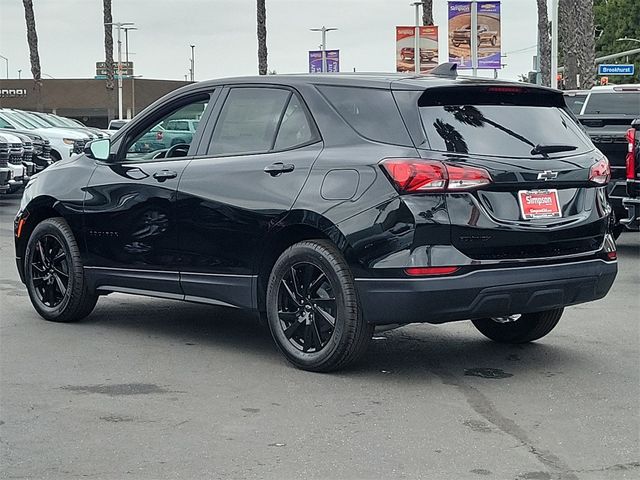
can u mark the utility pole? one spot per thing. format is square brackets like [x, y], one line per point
[19, 74]
[126, 43]
[554, 43]
[191, 71]
[416, 39]
[119, 26]
[323, 46]
[474, 37]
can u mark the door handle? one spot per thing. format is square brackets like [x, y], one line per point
[278, 168]
[163, 175]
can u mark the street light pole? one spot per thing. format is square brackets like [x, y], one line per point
[323, 46]
[474, 37]
[554, 43]
[119, 26]
[193, 75]
[416, 39]
[6, 60]
[126, 43]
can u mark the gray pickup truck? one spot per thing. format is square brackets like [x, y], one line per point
[607, 114]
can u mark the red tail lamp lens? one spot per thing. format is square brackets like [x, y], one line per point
[600, 173]
[428, 271]
[612, 255]
[631, 156]
[415, 175]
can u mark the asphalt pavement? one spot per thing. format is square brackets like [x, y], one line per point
[154, 389]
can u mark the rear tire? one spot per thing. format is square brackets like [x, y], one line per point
[529, 327]
[54, 273]
[312, 308]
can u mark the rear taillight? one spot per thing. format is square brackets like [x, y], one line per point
[600, 173]
[414, 175]
[631, 154]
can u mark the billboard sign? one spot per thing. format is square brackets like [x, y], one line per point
[405, 46]
[489, 36]
[315, 61]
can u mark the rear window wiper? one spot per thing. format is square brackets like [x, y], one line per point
[552, 148]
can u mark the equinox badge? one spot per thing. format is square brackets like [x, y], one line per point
[547, 175]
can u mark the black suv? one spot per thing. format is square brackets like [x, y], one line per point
[332, 204]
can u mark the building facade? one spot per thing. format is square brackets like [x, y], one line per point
[87, 100]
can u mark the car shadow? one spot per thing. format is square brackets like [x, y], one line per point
[402, 355]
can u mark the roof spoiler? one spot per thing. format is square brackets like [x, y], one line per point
[446, 70]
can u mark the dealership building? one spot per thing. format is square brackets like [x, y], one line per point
[87, 100]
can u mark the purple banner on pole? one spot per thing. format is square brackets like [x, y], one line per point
[489, 37]
[315, 61]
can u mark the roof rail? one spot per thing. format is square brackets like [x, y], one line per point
[446, 70]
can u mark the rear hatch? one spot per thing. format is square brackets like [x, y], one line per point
[542, 197]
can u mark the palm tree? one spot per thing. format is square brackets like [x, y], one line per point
[587, 50]
[544, 43]
[34, 57]
[262, 37]
[427, 12]
[108, 43]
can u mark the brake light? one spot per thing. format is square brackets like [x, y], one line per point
[414, 175]
[426, 271]
[506, 90]
[600, 173]
[631, 157]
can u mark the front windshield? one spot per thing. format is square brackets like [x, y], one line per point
[20, 122]
[34, 120]
[51, 120]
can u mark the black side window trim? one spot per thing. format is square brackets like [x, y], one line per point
[205, 141]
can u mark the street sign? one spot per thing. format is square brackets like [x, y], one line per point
[127, 69]
[315, 61]
[616, 69]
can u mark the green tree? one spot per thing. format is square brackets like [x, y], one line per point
[616, 19]
[427, 12]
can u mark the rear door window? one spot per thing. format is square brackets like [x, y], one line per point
[248, 121]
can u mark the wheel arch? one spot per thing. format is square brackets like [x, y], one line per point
[296, 227]
[37, 210]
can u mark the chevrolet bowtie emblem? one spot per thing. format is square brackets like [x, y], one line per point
[547, 175]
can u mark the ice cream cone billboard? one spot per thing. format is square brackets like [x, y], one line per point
[405, 46]
[489, 37]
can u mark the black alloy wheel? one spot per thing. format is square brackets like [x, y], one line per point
[50, 271]
[312, 308]
[307, 307]
[54, 273]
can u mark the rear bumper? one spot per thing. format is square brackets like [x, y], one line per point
[632, 222]
[484, 293]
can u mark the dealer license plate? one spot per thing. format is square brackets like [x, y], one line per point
[539, 204]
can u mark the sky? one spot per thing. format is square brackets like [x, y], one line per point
[71, 40]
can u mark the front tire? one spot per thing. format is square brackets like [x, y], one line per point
[527, 328]
[54, 273]
[312, 308]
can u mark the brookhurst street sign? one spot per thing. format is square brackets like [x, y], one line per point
[616, 69]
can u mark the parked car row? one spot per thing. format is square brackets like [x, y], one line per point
[607, 113]
[31, 141]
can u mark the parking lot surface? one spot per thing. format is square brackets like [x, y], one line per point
[147, 388]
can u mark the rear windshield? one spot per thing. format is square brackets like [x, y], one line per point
[614, 103]
[501, 130]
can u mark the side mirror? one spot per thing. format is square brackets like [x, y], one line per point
[98, 149]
